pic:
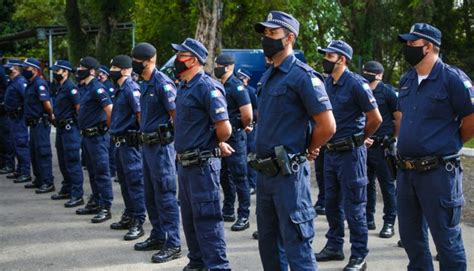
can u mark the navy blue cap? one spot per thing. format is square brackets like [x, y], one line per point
[193, 46]
[61, 64]
[422, 31]
[244, 73]
[13, 62]
[89, 62]
[225, 59]
[32, 62]
[104, 69]
[121, 61]
[143, 51]
[277, 19]
[339, 47]
[373, 67]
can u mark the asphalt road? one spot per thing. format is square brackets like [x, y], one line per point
[37, 233]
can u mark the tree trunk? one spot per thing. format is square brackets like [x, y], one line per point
[102, 40]
[208, 29]
[75, 36]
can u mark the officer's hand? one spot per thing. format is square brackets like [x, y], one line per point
[368, 142]
[53, 119]
[248, 129]
[226, 149]
[313, 154]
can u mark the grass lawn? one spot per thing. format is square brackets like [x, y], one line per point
[469, 144]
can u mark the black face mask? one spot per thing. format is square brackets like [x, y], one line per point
[271, 46]
[58, 77]
[179, 67]
[413, 54]
[82, 74]
[8, 71]
[369, 77]
[115, 75]
[27, 74]
[219, 72]
[137, 67]
[328, 66]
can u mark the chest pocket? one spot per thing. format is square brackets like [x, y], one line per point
[191, 110]
[151, 98]
[403, 100]
[277, 100]
[438, 106]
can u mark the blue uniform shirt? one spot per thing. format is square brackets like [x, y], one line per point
[109, 87]
[67, 98]
[199, 104]
[386, 98]
[288, 97]
[158, 97]
[236, 96]
[15, 93]
[35, 94]
[432, 111]
[350, 96]
[93, 100]
[126, 104]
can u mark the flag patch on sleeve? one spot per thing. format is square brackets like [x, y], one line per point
[100, 90]
[215, 93]
[74, 91]
[467, 84]
[168, 87]
[316, 81]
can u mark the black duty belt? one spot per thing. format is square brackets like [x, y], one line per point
[132, 138]
[382, 141]
[347, 143]
[34, 122]
[429, 162]
[279, 163]
[66, 123]
[163, 135]
[100, 129]
[197, 157]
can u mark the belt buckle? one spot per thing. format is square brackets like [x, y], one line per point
[409, 164]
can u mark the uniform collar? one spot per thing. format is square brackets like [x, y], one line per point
[229, 80]
[194, 80]
[342, 79]
[286, 65]
[434, 73]
[125, 83]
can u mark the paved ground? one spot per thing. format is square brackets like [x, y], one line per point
[37, 233]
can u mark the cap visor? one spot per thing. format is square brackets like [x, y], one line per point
[325, 50]
[55, 68]
[179, 47]
[407, 37]
[260, 27]
[7, 66]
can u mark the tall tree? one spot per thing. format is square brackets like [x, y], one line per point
[75, 35]
[208, 30]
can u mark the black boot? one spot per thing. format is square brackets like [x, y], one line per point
[149, 244]
[371, 225]
[45, 188]
[329, 254]
[32, 185]
[13, 175]
[73, 202]
[103, 215]
[6, 170]
[91, 208]
[61, 195]
[356, 264]
[387, 231]
[166, 254]
[123, 224]
[320, 210]
[189, 267]
[255, 235]
[136, 230]
[22, 179]
[242, 223]
[228, 218]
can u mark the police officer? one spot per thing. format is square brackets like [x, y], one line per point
[245, 76]
[380, 162]
[94, 119]
[437, 106]
[124, 130]
[68, 138]
[14, 104]
[104, 78]
[202, 127]
[291, 95]
[39, 115]
[7, 152]
[234, 168]
[158, 109]
[357, 118]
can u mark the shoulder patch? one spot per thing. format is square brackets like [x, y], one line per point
[136, 93]
[366, 86]
[316, 82]
[74, 91]
[100, 90]
[467, 84]
[220, 110]
[111, 89]
[215, 93]
[168, 87]
[240, 88]
[42, 87]
[25, 85]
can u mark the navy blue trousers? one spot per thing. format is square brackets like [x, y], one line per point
[40, 153]
[19, 139]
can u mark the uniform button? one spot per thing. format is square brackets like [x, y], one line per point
[414, 107]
